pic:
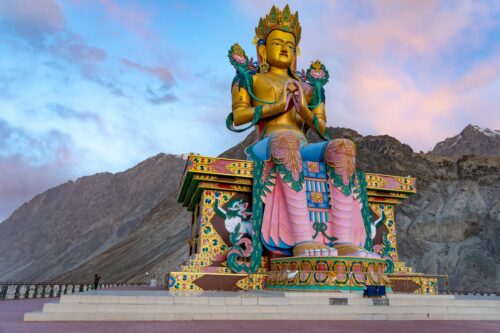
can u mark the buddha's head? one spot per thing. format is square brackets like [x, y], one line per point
[277, 38]
[279, 50]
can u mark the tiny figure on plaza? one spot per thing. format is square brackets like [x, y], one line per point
[97, 278]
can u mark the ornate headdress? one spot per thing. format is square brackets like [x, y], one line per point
[278, 20]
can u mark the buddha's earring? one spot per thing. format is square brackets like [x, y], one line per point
[263, 66]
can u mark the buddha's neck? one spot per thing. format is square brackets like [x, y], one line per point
[278, 71]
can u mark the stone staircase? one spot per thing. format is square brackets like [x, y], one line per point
[263, 305]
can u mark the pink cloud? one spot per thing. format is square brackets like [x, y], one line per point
[32, 20]
[370, 46]
[31, 163]
[409, 27]
[74, 49]
[156, 95]
[134, 18]
[162, 73]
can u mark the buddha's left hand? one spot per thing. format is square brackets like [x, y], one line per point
[296, 98]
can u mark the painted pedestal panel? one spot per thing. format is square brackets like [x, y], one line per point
[210, 185]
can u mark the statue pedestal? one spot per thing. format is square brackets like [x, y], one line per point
[210, 179]
[206, 180]
[326, 273]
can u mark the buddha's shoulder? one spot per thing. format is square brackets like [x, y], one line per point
[259, 77]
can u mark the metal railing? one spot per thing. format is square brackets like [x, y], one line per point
[26, 290]
[475, 292]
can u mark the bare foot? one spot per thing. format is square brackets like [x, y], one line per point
[347, 250]
[313, 249]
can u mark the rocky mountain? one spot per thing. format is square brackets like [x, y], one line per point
[158, 245]
[452, 225]
[127, 224]
[473, 140]
[69, 224]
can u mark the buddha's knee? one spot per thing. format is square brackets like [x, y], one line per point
[285, 150]
[341, 155]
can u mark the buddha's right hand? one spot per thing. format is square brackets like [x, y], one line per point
[278, 107]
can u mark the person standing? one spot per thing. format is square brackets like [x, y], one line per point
[97, 277]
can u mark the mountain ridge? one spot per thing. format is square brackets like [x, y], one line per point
[472, 140]
[436, 234]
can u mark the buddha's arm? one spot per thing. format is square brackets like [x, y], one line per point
[243, 111]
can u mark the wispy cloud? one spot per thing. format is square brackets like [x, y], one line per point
[66, 112]
[163, 92]
[34, 21]
[42, 25]
[108, 83]
[30, 163]
[411, 69]
[133, 17]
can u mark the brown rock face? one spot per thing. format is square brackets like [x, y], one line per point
[452, 225]
[124, 225]
[155, 247]
[473, 140]
[67, 225]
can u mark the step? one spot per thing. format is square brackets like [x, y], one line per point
[263, 305]
[186, 308]
[352, 299]
[249, 316]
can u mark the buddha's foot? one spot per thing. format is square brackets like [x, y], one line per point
[347, 250]
[313, 249]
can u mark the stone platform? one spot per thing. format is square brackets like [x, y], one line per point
[263, 305]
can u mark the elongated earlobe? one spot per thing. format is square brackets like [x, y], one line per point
[263, 65]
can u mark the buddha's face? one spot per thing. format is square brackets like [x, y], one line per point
[280, 49]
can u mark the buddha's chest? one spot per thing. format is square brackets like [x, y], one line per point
[269, 87]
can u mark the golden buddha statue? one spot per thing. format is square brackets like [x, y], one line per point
[283, 106]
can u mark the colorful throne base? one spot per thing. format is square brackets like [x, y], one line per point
[208, 180]
[326, 273]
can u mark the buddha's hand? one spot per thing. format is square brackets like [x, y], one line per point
[296, 98]
[278, 107]
[293, 95]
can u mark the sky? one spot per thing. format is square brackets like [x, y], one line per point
[89, 86]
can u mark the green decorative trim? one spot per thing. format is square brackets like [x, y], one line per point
[233, 236]
[236, 251]
[286, 175]
[244, 71]
[320, 227]
[325, 136]
[387, 248]
[338, 182]
[362, 196]
[257, 115]
[317, 81]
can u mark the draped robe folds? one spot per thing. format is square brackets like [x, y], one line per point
[286, 216]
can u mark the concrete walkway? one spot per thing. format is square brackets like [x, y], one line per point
[11, 321]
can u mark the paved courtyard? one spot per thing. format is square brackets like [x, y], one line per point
[11, 321]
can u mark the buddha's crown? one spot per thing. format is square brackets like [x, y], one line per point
[278, 20]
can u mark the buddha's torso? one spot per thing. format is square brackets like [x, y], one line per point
[268, 87]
